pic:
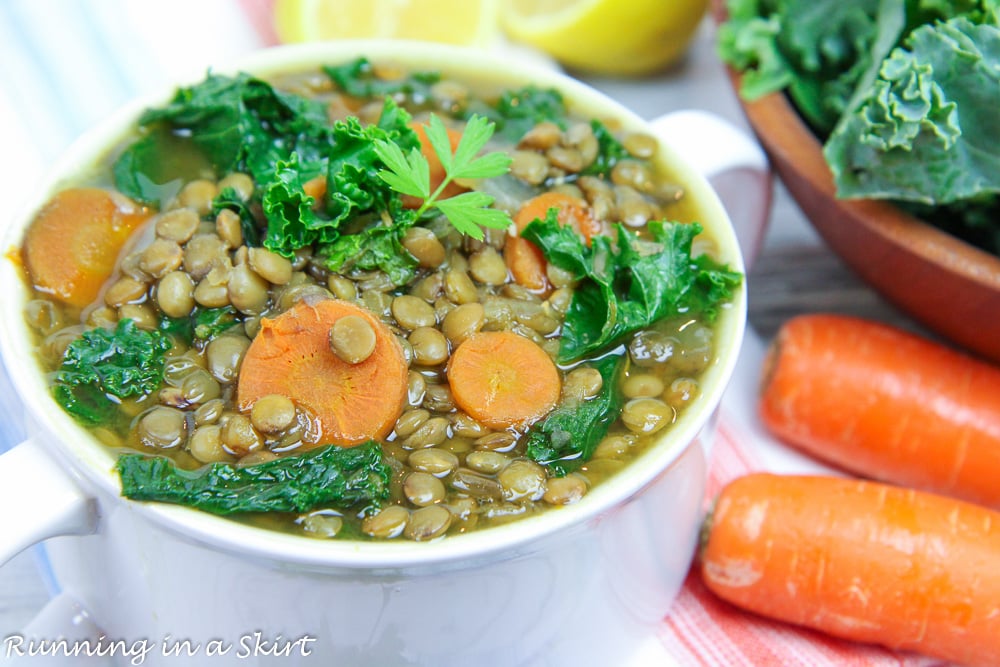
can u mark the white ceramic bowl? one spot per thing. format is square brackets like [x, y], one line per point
[584, 580]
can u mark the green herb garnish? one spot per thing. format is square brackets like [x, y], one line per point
[409, 174]
[341, 476]
[103, 366]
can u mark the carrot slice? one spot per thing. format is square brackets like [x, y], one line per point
[886, 404]
[72, 245]
[291, 356]
[502, 379]
[525, 260]
[864, 561]
[437, 169]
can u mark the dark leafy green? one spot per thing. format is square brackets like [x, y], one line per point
[102, 366]
[904, 92]
[568, 436]
[517, 111]
[610, 151]
[228, 198]
[628, 283]
[358, 79]
[375, 247]
[927, 131]
[327, 476]
[202, 323]
[818, 49]
[240, 123]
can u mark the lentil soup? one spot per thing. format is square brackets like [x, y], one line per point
[370, 303]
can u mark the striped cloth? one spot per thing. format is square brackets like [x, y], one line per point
[69, 63]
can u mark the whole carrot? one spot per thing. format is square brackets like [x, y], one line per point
[860, 560]
[885, 404]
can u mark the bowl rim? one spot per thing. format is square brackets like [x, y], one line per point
[92, 463]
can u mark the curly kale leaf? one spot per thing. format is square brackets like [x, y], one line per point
[926, 132]
[103, 366]
[627, 284]
[817, 49]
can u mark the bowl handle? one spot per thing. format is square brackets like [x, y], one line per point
[50, 503]
[734, 164]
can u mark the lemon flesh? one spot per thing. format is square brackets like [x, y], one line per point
[466, 22]
[618, 37]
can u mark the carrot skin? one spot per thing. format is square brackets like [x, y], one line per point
[886, 404]
[860, 560]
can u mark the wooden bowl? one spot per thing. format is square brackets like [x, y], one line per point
[948, 285]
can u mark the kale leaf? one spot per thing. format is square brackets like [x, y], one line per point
[331, 475]
[628, 284]
[228, 198]
[610, 151]
[375, 247]
[903, 92]
[202, 323]
[517, 111]
[568, 436]
[818, 49]
[102, 366]
[358, 78]
[240, 123]
[926, 131]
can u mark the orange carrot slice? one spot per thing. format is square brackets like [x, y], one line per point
[437, 169]
[525, 260]
[502, 379]
[886, 404]
[864, 561]
[291, 356]
[72, 245]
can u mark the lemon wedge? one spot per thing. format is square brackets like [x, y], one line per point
[619, 37]
[466, 22]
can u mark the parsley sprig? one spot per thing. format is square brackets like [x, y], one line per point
[409, 174]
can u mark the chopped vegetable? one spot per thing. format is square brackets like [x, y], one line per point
[71, 247]
[327, 476]
[629, 285]
[610, 151]
[358, 78]
[229, 199]
[517, 111]
[525, 260]
[102, 366]
[568, 436]
[351, 403]
[502, 379]
[202, 323]
[860, 560]
[240, 123]
[885, 404]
